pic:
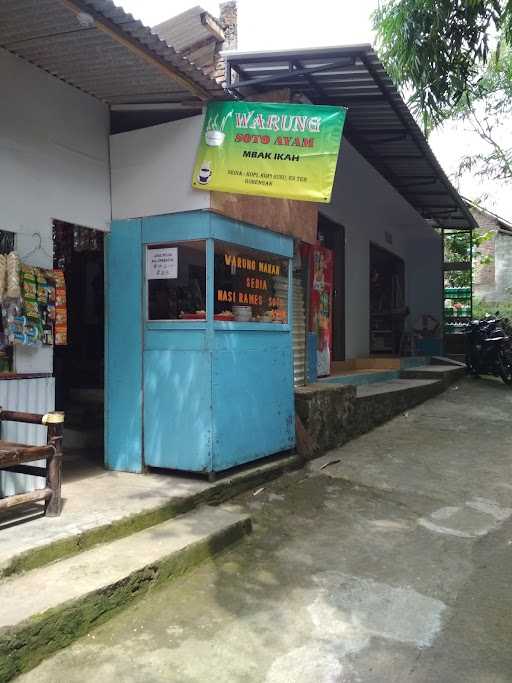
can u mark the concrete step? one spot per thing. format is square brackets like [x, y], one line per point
[380, 402]
[332, 413]
[102, 506]
[359, 377]
[47, 608]
[445, 373]
[378, 363]
[459, 357]
[394, 386]
[448, 360]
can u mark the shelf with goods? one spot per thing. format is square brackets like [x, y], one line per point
[457, 287]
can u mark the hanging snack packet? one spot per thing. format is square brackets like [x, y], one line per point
[3, 275]
[61, 331]
[31, 308]
[42, 287]
[28, 281]
[13, 290]
[60, 316]
[61, 335]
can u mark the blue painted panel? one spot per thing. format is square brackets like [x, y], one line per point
[177, 410]
[190, 225]
[123, 405]
[225, 325]
[253, 407]
[175, 325]
[233, 381]
[240, 342]
[250, 236]
[203, 224]
[195, 340]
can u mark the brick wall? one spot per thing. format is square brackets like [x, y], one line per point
[483, 275]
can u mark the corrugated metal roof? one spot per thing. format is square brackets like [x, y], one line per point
[195, 34]
[99, 48]
[186, 28]
[379, 123]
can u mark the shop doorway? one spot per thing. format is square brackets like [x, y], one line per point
[332, 236]
[388, 310]
[79, 365]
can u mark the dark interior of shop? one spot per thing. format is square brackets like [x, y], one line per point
[388, 310]
[79, 365]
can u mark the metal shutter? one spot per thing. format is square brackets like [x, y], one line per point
[299, 327]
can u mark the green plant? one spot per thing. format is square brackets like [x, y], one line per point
[437, 47]
[458, 249]
[454, 56]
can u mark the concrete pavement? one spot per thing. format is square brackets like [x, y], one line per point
[393, 564]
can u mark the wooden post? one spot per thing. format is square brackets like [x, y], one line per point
[55, 423]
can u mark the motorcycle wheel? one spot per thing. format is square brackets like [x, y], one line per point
[505, 368]
[471, 369]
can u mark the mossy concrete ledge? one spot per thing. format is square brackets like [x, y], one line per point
[326, 412]
[46, 609]
[74, 542]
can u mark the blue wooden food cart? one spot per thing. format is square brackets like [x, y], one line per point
[199, 368]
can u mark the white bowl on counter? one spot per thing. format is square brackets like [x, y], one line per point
[243, 314]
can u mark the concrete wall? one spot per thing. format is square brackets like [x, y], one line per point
[152, 170]
[53, 164]
[372, 211]
[423, 270]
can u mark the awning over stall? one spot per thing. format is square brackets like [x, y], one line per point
[97, 47]
[379, 124]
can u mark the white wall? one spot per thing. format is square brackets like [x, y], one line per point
[424, 276]
[368, 207]
[152, 170]
[53, 164]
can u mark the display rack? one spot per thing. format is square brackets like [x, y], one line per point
[457, 299]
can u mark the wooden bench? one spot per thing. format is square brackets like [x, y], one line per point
[14, 456]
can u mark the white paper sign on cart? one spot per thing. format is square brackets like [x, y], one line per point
[162, 263]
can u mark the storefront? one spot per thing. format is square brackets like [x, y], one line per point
[200, 364]
[199, 343]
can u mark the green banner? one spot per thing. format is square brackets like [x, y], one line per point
[268, 149]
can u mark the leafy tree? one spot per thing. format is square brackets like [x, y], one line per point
[437, 48]
[453, 56]
[457, 248]
[488, 112]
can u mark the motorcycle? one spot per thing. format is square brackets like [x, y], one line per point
[488, 348]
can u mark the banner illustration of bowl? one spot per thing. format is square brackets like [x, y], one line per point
[214, 127]
[214, 138]
[270, 149]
